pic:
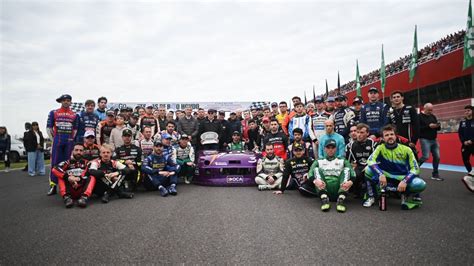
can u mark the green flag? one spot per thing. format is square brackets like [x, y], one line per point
[382, 73]
[357, 79]
[414, 58]
[469, 41]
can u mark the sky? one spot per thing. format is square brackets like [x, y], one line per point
[191, 51]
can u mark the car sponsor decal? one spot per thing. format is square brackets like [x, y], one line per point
[235, 179]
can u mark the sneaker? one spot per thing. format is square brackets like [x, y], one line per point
[7, 169]
[106, 197]
[68, 202]
[325, 206]
[264, 187]
[172, 190]
[124, 194]
[404, 202]
[471, 173]
[52, 190]
[187, 180]
[82, 202]
[469, 182]
[417, 198]
[369, 202]
[437, 178]
[163, 191]
[340, 206]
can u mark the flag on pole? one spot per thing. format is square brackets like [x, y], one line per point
[414, 57]
[382, 73]
[314, 95]
[357, 79]
[327, 89]
[469, 41]
[305, 101]
[338, 81]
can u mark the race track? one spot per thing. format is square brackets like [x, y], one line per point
[211, 225]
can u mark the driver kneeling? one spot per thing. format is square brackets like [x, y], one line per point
[395, 164]
[332, 177]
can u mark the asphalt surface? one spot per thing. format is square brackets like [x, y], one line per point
[216, 225]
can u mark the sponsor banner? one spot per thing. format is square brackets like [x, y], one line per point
[220, 106]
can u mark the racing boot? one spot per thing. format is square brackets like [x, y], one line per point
[52, 190]
[172, 190]
[106, 197]
[340, 206]
[121, 193]
[82, 201]
[264, 187]
[325, 206]
[163, 191]
[68, 202]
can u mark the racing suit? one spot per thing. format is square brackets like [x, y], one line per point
[466, 133]
[303, 122]
[270, 167]
[149, 121]
[62, 126]
[77, 168]
[334, 172]
[356, 119]
[375, 116]
[146, 145]
[239, 146]
[397, 163]
[343, 119]
[98, 168]
[317, 127]
[184, 156]
[406, 121]
[295, 175]
[279, 141]
[87, 121]
[91, 152]
[133, 153]
[104, 128]
[358, 153]
[152, 165]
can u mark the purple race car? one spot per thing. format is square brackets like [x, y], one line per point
[226, 168]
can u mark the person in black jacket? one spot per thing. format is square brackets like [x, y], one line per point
[466, 136]
[34, 146]
[429, 127]
[210, 124]
[5, 145]
[27, 128]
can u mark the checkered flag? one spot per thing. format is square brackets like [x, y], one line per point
[77, 107]
[260, 105]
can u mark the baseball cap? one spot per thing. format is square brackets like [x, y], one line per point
[330, 142]
[166, 136]
[341, 98]
[318, 99]
[374, 89]
[330, 99]
[212, 111]
[274, 104]
[110, 112]
[149, 105]
[63, 97]
[357, 99]
[221, 113]
[298, 146]
[236, 133]
[127, 132]
[265, 120]
[184, 136]
[89, 133]
[157, 142]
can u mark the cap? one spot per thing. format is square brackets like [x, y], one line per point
[233, 113]
[341, 98]
[373, 89]
[127, 132]
[265, 119]
[357, 99]
[330, 142]
[221, 113]
[212, 111]
[274, 104]
[184, 136]
[129, 109]
[298, 146]
[330, 99]
[236, 133]
[89, 133]
[110, 112]
[149, 105]
[318, 100]
[166, 136]
[157, 142]
[63, 97]
[123, 109]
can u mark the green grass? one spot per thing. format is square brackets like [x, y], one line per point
[20, 164]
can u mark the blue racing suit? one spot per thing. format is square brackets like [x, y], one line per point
[153, 164]
[375, 116]
[397, 164]
[87, 121]
[62, 126]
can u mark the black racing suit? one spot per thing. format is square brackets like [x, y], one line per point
[99, 168]
[407, 123]
[358, 153]
[133, 153]
[295, 176]
[343, 120]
